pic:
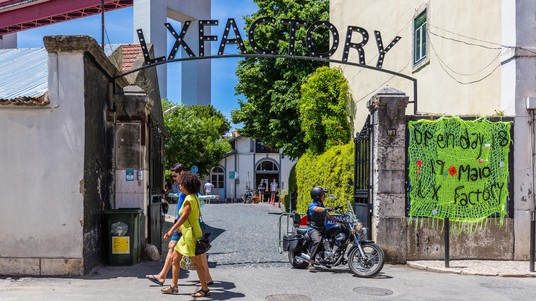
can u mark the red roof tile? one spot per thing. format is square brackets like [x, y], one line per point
[130, 54]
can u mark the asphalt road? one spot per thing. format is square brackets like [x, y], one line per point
[246, 265]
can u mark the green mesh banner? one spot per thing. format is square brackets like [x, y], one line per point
[458, 169]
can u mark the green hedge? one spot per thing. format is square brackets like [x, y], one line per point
[333, 170]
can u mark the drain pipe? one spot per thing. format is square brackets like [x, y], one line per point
[531, 105]
[532, 219]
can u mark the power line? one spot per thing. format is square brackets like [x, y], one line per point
[374, 57]
[442, 65]
[381, 85]
[460, 41]
[459, 73]
[475, 39]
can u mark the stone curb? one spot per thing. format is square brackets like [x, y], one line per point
[467, 271]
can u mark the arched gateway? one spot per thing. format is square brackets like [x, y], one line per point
[203, 27]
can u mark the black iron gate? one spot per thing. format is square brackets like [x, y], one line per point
[362, 174]
[156, 180]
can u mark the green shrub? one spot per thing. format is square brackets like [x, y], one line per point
[333, 170]
[287, 202]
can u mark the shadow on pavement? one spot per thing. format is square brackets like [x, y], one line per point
[138, 271]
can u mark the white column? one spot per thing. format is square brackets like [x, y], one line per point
[518, 74]
[150, 16]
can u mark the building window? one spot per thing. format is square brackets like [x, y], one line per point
[420, 51]
[217, 176]
[267, 166]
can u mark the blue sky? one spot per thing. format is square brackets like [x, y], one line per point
[120, 30]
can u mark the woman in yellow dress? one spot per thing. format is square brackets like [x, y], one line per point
[191, 230]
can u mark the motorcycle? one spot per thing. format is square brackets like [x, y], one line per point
[343, 243]
[247, 197]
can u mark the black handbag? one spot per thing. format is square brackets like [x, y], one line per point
[202, 244]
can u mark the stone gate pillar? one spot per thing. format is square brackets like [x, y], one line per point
[388, 121]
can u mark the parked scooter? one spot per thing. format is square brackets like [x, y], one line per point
[343, 243]
[247, 197]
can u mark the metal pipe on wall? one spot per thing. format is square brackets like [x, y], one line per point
[532, 217]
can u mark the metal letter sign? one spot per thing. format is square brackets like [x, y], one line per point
[292, 25]
[256, 50]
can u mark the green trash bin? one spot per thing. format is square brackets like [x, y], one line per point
[124, 230]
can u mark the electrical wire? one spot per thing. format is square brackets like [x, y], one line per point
[108, 38]
[475, 39]
[460, 73]
[374, 57]
[381, 85]
[464, 36]
[460, 41]
[442, 64]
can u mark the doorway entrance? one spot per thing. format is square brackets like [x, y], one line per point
[266, 171]
[217, 178]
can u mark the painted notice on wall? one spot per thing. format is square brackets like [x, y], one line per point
[458, 169]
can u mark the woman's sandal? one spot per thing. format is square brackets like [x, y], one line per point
[201, 293]
[173, 290]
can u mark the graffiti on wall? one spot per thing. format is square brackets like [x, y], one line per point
[458, 169]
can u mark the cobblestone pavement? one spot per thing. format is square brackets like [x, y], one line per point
[243, 235]
[246, 265]
[246, 236]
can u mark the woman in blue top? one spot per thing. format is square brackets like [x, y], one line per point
[160, 278]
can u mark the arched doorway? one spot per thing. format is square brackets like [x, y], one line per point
[217, 178]
[266, 170]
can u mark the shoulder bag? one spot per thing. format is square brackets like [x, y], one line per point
[202, 244]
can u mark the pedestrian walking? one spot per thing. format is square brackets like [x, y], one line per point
[160, 278]
[191, 230]
[208, 190]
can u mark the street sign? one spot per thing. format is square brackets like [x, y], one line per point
[233, 175]
[194, 169]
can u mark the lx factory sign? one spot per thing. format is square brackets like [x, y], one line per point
[351, 32]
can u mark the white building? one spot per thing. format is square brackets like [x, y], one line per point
[249, 162]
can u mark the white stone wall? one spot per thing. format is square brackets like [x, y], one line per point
[438, 93]
[244, 162]
[41, 178]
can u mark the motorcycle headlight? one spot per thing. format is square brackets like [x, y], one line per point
[357, 227]
[364, 233]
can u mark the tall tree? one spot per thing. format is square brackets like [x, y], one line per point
[209, 113]
[195, 136]
[272, 86]
[326, 110]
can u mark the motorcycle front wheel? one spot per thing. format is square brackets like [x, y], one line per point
[369, 265]
[296, 261]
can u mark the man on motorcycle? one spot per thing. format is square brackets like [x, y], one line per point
[316, 220]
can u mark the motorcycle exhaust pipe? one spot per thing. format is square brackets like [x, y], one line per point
[305, 257]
